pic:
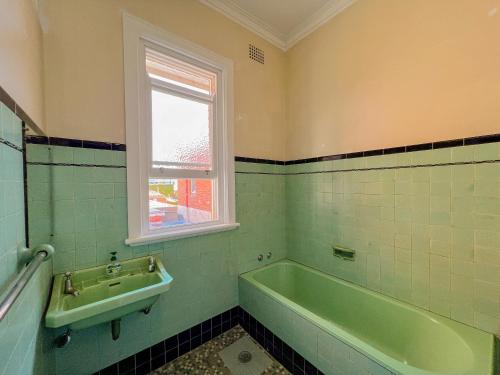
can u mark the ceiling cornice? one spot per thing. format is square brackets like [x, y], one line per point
[269, 33]
[318, 18]
[247, 20]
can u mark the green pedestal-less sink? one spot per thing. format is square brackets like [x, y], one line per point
[102, 298]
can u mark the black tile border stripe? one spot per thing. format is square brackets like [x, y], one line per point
[373, 169]
[78, 143]
[289, 173]
[385, 151]
[402, 149]
[165, 351]
[11, 145]
[482, 139]
[258, 161]
[393, 167]
[75, 165]
[10, 103]
[397, 150]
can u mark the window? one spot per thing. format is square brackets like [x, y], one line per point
[178, 107]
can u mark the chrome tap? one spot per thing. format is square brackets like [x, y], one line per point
[151, 265]
[68, 285]
[114, 268]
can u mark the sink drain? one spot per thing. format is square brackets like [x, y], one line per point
[244, 356]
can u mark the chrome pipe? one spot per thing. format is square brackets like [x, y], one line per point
[16, 287]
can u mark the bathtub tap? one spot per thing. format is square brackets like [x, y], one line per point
[114, 268]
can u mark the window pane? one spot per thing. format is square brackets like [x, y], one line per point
[174, 202]
[181, 132]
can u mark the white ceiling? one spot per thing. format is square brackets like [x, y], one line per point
[281, 22]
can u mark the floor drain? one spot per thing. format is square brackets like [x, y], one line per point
[244, 356]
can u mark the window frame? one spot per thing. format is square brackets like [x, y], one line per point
[137, 35]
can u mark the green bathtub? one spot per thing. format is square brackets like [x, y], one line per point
[402, 338]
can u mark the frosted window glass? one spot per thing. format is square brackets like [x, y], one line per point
[181, 132]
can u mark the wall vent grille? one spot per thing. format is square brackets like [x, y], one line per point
[255, 53]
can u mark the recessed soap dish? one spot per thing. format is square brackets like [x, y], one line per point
[344, 253]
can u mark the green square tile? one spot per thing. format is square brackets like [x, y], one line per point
[102, 191]
[441, 189]
[62, 174]
[462, 173]
[84, 156]
[119, 158]
[61, 191]
[62, 154]
[103, 157]
[104, 175]
[487, 151]
[462, 154]
[440, 156]
[37, 153]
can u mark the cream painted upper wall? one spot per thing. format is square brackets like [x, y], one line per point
[84, 69]
[390, 72]
[21, 56]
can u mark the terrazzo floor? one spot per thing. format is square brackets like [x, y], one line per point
[205, 360]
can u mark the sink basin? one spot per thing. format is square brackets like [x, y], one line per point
[103, 298]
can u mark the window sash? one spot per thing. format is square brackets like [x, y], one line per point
[211, 172]
[181, 173]
[165, 171]
[176, 228]
[181, 91]
[165, 164]
[207, 224]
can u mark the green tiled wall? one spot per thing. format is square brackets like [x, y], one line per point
[424, 233]
[425, 225]
[22, 340]
[88, 219]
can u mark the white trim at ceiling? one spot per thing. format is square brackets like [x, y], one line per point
[271, 34]
[248, 20]
[318, 18]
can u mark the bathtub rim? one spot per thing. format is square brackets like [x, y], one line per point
[482, 345]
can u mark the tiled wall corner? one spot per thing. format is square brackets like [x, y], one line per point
[84, 191]
[22, 336]
[424, 233]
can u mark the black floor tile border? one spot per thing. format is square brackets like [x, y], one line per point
[276, 347]
[78, 143]
[173, 347]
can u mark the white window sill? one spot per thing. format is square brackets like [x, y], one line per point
[181, 233]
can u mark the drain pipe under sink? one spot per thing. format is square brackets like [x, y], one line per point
[115, 329]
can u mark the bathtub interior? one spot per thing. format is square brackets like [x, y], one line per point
[407, 335]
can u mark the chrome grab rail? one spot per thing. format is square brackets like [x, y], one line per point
[13, 291]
